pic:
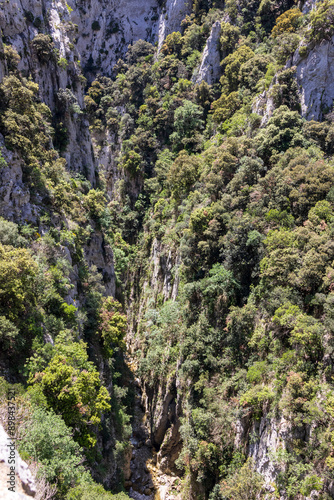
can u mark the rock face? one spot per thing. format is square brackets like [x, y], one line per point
[25, 485]
[171, 17]
[106, 28]
[315, 77]
[90, 36]
[209, 70]
[95, 32]
[308, 5]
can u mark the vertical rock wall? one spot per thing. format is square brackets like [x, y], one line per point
[209, 70]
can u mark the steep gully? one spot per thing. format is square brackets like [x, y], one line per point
[144, 476]
[149, 470]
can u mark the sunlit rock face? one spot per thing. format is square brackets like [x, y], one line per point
[25, 487]
[315, 77]
[210, 70]
[171, 16]
[95, 32]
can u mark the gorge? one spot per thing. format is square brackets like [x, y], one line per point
[166, 248]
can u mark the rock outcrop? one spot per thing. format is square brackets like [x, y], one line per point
[171, 16]
[25, 487]
[209, 70]
[308, 5]
[315, 77]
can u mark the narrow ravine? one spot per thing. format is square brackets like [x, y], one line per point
[145, 480]
[141, 483]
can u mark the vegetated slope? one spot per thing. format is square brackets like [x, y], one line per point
[217, 202]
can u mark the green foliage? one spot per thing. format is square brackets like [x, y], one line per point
[172, 44]
[90, 491]
[12, 58]
[49, 442]
[229, 37]
[8, 332]
[183, 174]
[72, 388]
[283, 131]
[231, 66]
[18, 274]
[9, 234]
[63, 63]
[286, 22]
[245, 484]
[187, 124]
[43, 47]
[321, 21]
[221, 227]
[112, 325]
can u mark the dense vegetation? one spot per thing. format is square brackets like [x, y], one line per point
[245, 210]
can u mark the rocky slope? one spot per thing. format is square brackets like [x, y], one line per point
[25, 487]
[89, 38]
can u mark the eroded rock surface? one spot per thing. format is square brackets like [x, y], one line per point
[171, 16]
[315, 77]
[24, 484]
[209, 70]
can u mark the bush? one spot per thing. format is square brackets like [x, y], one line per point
[287, 22]
[44, 47]
[18, 274]
[9, 234]
[12, 57]
[93, 492]
[183, 174]
[48, 441]
[322, 21]
[8, 332]
[245, 484]
[71, 387]
[112, 325]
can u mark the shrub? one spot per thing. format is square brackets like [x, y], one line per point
[96, 26]
[322, 21]
[93, 491]
[71, 387]
[18, 273]
[172, 44]
[183, 174]
[48, 441]
[112, 325]
[244, 484]
[44, 47]
[8, 332]
[9, 234]
[287, 22]
[12, 57]
[63, 63]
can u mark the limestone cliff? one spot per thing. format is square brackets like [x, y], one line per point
[89, 37]
[315, 78]
[25, 487]
[209, 70]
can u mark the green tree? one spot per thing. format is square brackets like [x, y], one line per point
[244, 484]
[112, 325]
[72, 387]
[322, 21]
[18, 274]
[48, 441]
[183, 174]
[188, 121]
